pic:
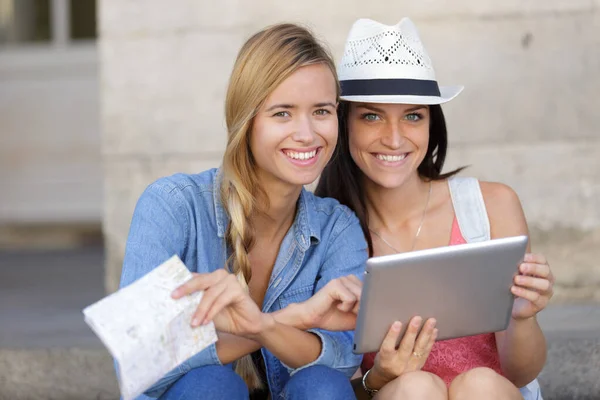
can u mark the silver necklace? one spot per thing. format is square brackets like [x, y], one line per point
[418, 229]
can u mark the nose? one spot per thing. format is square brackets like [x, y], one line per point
[393, 137]
[304, 131]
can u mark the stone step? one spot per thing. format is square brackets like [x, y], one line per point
[47, 351]
[571, 373]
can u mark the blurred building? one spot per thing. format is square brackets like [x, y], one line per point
[76, 149]
[50, 163]
[527, 117]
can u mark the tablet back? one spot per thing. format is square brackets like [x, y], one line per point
[466, 288]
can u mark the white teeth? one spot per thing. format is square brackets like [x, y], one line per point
[301, 156]
[384, 157]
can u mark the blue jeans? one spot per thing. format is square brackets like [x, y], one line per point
[222, 383]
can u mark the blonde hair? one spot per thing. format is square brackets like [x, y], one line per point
[264, 62]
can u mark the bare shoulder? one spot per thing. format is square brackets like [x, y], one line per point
[499, 195]
[504, 210]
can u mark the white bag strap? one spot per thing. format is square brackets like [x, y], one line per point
[469, 208]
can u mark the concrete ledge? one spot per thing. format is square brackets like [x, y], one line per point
[78, 374]
[37, 236]
[65, 374]
[571, 372]
[47, 351]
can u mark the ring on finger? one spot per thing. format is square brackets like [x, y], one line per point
[417, 354]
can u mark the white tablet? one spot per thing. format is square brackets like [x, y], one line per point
[466, 288]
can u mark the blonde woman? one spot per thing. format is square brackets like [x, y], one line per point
[388, 169]
[259, 242]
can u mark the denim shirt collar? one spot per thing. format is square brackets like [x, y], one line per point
[305, 225]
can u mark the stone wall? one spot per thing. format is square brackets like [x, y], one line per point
[50, 163]
[527, 117]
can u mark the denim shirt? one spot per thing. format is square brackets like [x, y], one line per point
[182, 214]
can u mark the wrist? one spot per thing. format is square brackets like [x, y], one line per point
[264, 327]
[292, 315]
[376, 380]
[522, 320]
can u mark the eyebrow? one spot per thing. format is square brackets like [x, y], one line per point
[415, 108]
[291, 106]
[379, 110]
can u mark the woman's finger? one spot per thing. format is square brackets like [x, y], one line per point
[199, 282]
[346, 306]
[407, 344]
[530, 282]
[535, 258]
[423, 344]
[430, 344]
[339, 292]
[388, 347]
[353, 286]
[355, 279]
[526, 294]
[424, 336]
[356, 307]
[208, 299]
[228, 296]
[539, 270]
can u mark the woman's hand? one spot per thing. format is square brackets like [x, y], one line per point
[411, 355]
[333, 308]
[225, 302]
[533, 287]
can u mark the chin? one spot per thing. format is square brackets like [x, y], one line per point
[297, 179]
[390, 183]
[304, 180]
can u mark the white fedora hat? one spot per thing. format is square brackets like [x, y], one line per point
[388, 64]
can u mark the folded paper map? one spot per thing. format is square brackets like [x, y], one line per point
[147, 332]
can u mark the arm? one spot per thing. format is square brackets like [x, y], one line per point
[522, 347]
[346, 255]
[234, 312]
[231, 347]
[334, 307]
[159, 229]
[291, 345]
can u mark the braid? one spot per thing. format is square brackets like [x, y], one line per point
[240, 239]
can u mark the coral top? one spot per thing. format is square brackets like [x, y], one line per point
[450, 358]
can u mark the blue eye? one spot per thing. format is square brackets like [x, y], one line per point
[414, 117]
[370, 117]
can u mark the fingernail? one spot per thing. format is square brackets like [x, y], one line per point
[416, 321]
[205, 322]
[523, 268]
[396, 326]
[514, 289]
[432, 323]
[435, 332]
[195, 322]
[175, 293]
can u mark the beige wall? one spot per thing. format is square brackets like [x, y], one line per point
[527, 117]
[50, 159]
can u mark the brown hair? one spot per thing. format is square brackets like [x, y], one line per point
[343, 180]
